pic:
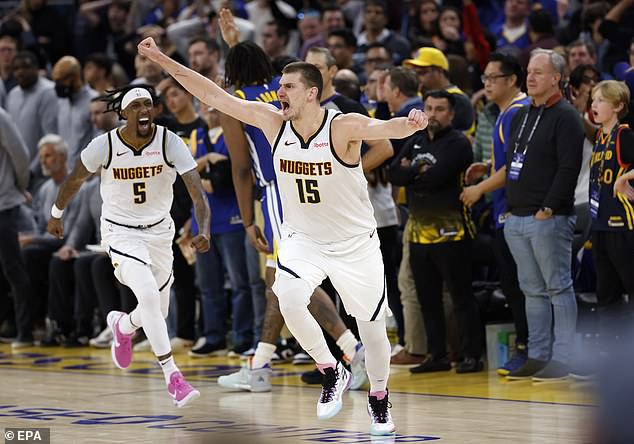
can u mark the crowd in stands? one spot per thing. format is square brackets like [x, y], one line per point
[516, 182]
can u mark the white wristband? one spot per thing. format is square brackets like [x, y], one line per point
[56, 212]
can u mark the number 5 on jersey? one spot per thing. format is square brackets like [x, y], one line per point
[308, 191]
[140, 196]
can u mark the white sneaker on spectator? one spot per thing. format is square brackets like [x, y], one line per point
[180, 344]
[17, 344]
[103, 339]
[396, 349]
[302, 358]
[143, 346]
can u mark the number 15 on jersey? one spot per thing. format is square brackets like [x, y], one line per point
[308, 191]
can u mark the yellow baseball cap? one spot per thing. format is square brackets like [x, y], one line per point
[429, 57]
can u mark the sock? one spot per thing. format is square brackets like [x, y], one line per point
[323, 367]
[379, 395]
[127, 326]
[263, 355]
[168, 366]
[348, 345]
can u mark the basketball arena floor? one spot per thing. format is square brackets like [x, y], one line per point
[82, 398]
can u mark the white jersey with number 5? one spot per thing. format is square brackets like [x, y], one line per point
[322, 196]
[136, 186]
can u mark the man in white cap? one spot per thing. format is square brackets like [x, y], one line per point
[139, 162]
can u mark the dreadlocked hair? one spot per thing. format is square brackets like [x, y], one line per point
[247, 64]
[113, 97]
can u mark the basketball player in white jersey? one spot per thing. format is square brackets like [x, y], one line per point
[139, 163]
[329, 228]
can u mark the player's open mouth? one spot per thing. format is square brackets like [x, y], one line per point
[144, 123]
[285, 106]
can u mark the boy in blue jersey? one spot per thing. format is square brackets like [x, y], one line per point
[503, 78]
[249, 70]
[611, 207]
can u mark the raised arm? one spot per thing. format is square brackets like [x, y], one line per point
[264, 116]
[67, 190]
[356, 127]
[201, 209]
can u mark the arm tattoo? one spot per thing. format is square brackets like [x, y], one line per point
[201, 205]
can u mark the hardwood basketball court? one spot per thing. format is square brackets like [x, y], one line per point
[83, 398]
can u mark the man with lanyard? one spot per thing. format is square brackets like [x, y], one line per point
[503, 78]
[542, 169]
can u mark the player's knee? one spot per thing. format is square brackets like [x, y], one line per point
[139, 278]
[292, 294]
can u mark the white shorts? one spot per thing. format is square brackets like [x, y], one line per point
[354, 266]
[150, 246]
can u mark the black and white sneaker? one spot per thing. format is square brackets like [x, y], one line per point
[379, 411]
[336, 381]
[205, 350]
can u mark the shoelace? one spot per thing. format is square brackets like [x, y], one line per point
[380, 408]
[330, 381]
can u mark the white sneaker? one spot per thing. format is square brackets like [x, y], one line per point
[336, 381]
[396, 349]
[103, 339]
[379, 411]
[180, 344]
[248, 379]
[143, 346]
[357, 366]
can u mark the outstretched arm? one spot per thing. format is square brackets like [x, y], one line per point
[201, 209]
[67, 190]
[359, 127]
[264, 116]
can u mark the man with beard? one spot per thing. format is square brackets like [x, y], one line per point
[329, 228]
[38, 247]
[431, 166]
[139, 162]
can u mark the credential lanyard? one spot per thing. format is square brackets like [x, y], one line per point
[530, 135]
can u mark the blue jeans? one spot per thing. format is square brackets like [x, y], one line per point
[542, 250]
[258, 288]
[226, 252]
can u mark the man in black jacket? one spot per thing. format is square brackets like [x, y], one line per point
[542, 166]
[431, 165]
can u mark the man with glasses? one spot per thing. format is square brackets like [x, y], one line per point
[432, 68]
[502, 79]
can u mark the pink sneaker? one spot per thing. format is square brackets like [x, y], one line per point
[121, 347]
[181, 391]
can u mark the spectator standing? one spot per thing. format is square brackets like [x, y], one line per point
[541, 170]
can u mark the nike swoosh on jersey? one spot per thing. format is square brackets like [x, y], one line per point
[121, 154]
[287, 143]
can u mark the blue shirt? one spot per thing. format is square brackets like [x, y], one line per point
[261, 153]
[225, 213]
[501, 133]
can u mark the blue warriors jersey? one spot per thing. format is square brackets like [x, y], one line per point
[259, 147]
[225, 213]
[611, 157]
[501, 134]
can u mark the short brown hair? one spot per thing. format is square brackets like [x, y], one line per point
[614, 92]
[310, 75]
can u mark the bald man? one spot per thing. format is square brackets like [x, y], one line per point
[73, 118]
